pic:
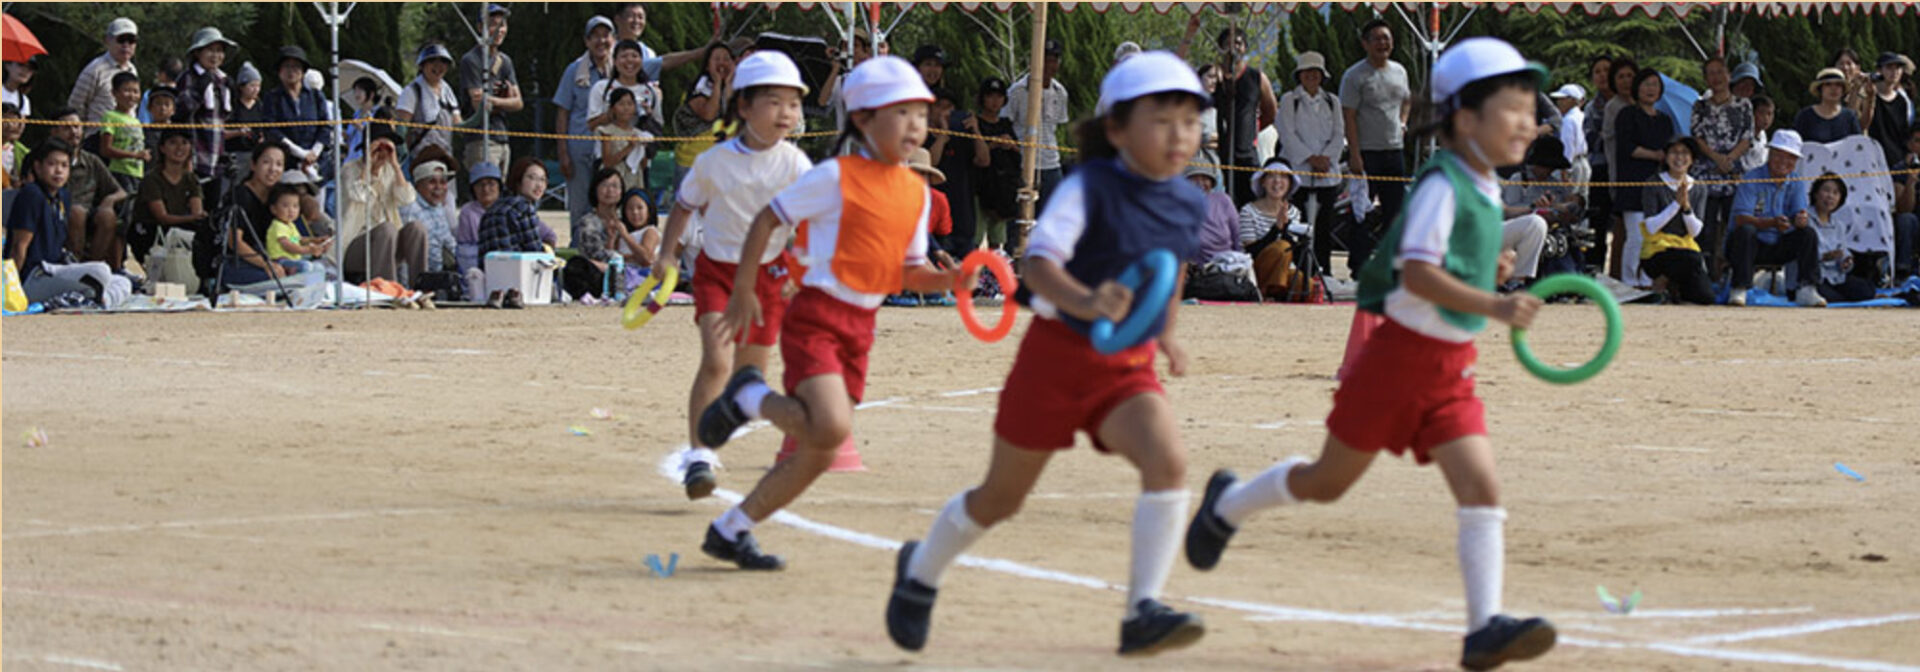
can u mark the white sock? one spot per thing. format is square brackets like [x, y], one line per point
[732, 523]
[698, 454]
[1483, 551]
[749, 398]
[1158, 519]
[952, 532]
[1266, 491]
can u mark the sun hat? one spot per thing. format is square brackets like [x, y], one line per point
[485, 170]
[883, 81]
[1746, 71]
[1275, 166]
[431, 52]
[922, 160]
[1826, 76]
[1478, 58]
[1146, 74]
[1889, 58]
[1310, 60]
[205, 37]
[767, 68]
[293, 53]
[1786, 141]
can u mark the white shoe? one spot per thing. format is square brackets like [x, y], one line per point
[1737, 298]
[1811, 298]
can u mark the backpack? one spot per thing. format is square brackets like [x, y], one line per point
[1210, 284]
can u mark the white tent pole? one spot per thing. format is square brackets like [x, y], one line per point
[1037, 83]
[339, 194]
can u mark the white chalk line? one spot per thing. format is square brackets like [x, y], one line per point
[229, 522]
[441, 632]
[1803, 629]
[74, 661]
[670, 468]
[1664, 449]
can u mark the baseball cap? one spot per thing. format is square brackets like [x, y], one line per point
[767, 68]
[599, 22]
[929, 52]
[1786, 141]
[483, 171]
[1145, 74]
[433, 51]
[431, 169]
[1574, 91]
[122, 26]
[884, 81]
[1478, 58]
[494, 8]
[1054, 48]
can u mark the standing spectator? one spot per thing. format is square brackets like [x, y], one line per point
[999, 179]
[379, 243]
[434, 212]
[1723, 132]
[1840, 278]
[93, 89]
[1746, 81]
[1893, 111]
[293, 102]
[1625, 72]
[1770, 223]
[429, 99]
[931, 61]
[1857, 92]
[1209, 118]
[169, 196]
[205, 98]
[1572, 130]
[159, 105]
[1643, 131]
[17, 83]
[13, 154]
[246, 110]
[622, 147]
[1376, 100]
[1312, 137]
[1827, 121]
[704, 110]
[573, 97]
[1668, 248]
[1246, 106]
[959, 160]
[633, 24]
[122, 142]
[93, 231]
[1756, 155]
[627, 74]
[168, 78]
[1053, 113]
[489, 77]
[1906, 219]
[1600, 166]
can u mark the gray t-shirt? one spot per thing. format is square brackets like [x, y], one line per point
[471, 77]
[1377, 95]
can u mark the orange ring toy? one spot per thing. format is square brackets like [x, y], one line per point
[1003, 272]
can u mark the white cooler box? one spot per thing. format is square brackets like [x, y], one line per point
[530, 272]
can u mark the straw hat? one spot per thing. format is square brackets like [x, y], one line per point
[922, 161]
[1826, 76]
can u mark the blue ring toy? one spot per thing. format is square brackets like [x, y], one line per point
[1155, 271]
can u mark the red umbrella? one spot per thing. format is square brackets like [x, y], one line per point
[17, 44]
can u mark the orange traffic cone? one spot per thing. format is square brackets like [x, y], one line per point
[846, 458]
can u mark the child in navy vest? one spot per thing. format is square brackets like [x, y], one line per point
[1126, 201]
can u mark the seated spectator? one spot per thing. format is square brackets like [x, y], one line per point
[1770, 224]
[1827, 121]
[247, 262]
[512, 223]
[93, 225]
[1220, 232]
[170, 196]
[1838, 281]
[1906, 223]
[1270, 227]
[640, 236]
[380, 244]
[587, 271]
[621, 149]
[37, 222]
[484, 180]
[1668, 249]
[295, 253]
[939, 216]
[1536, 212]
[434, 212]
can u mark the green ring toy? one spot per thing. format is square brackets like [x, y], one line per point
[1586, 287]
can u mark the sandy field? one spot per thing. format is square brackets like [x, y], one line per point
[402, 490]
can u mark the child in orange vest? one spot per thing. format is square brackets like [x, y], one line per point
[866, 216]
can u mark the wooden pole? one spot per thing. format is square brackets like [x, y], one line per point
[1037, 83]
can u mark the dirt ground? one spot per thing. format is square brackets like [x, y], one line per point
[402, 490]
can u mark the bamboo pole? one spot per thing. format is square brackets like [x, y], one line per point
[1037, 84]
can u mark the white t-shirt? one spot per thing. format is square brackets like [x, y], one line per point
[18, 99]
[1429, 226]
[646, 95]
[1057, 233]
[1573, 137]
[816, 199]
[729, 185]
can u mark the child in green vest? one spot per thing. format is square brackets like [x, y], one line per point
[1411, 386]
[122, 142]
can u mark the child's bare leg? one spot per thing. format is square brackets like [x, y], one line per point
[1142, 430]
[1229, 502]
[819, 417]
[1010, 477]
[716, 363]
[1467, 464]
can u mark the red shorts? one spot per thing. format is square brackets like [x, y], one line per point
[713, 287]
[824, 335]
[1406, 390]
[1060, 385]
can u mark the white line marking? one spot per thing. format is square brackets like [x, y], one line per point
[1803, 629]
[439, 632]
[226, 522]
[882, 403]
[1664, 449]
[969, 393]
[88, 663]
[1781, 658]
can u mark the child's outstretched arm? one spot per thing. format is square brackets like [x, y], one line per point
[1051, 281]
[743, 309]
[1435, 284]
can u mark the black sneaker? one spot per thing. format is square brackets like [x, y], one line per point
[742, 552]
[910, 610]
[1208, 535]
[699, 480]
[722, 417]
[1158, 628]
[1505, 639]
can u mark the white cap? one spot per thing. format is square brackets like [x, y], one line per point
[1126, 50]
[767, 68]
[1475, 59]
[1148, 73]
[122, 26]
[1786, 141]
[1573, 91]
[884, 81]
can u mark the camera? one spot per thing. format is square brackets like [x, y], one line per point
[1877, 77]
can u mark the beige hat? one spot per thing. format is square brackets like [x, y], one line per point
[432, 169]
[922, 161]
[1311, 60]
[1824, 77]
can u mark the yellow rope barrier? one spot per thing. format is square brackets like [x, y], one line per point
[405, 124]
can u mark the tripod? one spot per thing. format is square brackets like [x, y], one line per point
[229, 213]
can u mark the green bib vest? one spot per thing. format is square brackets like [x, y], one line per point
[1473, 249]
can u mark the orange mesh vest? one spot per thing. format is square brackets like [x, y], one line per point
[881, 206]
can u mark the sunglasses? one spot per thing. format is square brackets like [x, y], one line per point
[128, 39]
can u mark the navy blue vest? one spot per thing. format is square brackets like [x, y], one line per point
[1127, 217]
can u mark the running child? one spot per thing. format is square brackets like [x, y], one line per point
[866, 216]
[1127, 200]
[1411, 386]
[722, 193]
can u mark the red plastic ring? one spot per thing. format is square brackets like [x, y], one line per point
[1003, 272]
